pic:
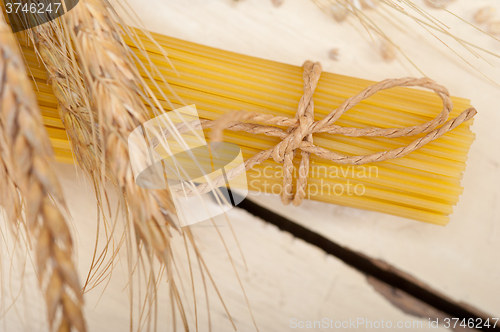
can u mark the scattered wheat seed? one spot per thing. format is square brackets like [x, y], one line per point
[387, 51]
[494, 28]
[277, 3]
[334, 54]
[338, 12]
[484, 14]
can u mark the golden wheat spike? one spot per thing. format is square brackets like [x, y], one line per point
[26, 176]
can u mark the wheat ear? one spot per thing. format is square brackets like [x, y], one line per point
[68, 88]
[113, 82]
[63, 74]
[111, 79]
[26, 158]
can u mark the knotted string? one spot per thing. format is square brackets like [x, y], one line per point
[299, 134]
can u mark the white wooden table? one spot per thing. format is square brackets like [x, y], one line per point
[288, 278]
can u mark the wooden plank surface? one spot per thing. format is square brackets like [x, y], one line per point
[458, 259]
[286, 279]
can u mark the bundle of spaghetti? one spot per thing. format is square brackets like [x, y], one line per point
[424, 185]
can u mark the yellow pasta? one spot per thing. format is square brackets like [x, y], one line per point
[423, 185]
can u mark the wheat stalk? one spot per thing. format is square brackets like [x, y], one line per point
[113, 82]
[68, 88]
[26, 172]
[113, 98]
[64, 76]
[149, 210]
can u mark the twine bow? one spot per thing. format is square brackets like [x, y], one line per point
[299, 134]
